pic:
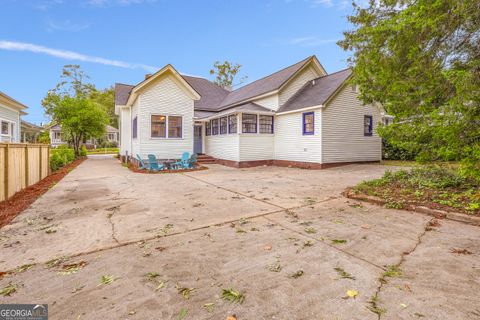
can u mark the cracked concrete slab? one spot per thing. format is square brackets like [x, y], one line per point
[248, 230]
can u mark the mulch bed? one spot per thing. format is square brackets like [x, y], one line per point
[10, 208]
[136, 170]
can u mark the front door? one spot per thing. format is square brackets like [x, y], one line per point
[197, 139]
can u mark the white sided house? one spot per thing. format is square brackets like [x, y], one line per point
[299, 116]
[10, 112]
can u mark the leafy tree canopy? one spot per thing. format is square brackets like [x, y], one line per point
[70, 104]
[421, 60]
[225, 74]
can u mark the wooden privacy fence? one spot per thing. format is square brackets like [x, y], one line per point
[21, 165]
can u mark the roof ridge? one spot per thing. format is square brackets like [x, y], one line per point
[125, 84]
[330, 74]
[271, 74]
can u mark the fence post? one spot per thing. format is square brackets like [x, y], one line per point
[6, 171]
[26, 166]
[41, 161]
[49, 170]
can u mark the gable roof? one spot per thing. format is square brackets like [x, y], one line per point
[12, 103]
[264, 85]
[316, 92]
[122, 92]
[211, 94]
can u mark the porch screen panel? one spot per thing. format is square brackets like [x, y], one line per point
[249, 123]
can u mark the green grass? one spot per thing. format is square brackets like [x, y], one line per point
[103, 150]
[233, 295]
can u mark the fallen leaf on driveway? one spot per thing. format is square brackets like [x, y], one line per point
[232, 317]
[460, 251]
[352, 293]
[365, 226]
[267, 247]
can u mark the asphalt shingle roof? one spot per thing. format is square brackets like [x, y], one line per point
[316, 92]
[211, 94]
[122, 92]
[264, 85]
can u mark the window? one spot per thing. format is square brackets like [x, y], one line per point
[266, 124]
[158, 126]
[249, 123]
[308, 127]
[215, 126]
[232, 123]
[355, 88]
[208, 128]
[175, 127]
[111, 136]
[134, 128]
[57, 135]
[367, 125]
[223, 125]
[4, 127]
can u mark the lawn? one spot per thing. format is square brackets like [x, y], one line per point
[103, 151]
[433, 187]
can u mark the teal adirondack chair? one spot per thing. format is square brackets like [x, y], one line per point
[184, 162]
[192, 161]
[142, 163]
[153, 163]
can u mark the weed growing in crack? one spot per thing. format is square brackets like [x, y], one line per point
[343, 274]
[10, 289]
[310, 230]
[393, 271]
[184, 291]
[55, 262]
[72, 268]
[106, 279]
[374, 307]
[296, 274]
[233, 295]
[24, 268]
[338, 241]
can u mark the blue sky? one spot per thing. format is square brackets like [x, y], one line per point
[122, 40]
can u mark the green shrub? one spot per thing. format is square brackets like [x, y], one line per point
[83, 151]
[60, 157]
[391, 152]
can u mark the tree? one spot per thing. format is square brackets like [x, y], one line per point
[106, 99]
[421, 60]
[225, 74]
[70, 105]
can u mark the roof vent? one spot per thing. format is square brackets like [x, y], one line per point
[148, 75]
[313, 82]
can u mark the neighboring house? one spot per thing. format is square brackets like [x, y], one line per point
[10, 112]
[29, 132]
[57, 139]
[299, 116]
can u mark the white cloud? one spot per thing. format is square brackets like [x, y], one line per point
[310, 41]
[66, 25]
[70, 55]
[324, 3]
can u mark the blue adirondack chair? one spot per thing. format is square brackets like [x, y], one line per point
[142, 164]
[153, 163]
[192, 161]
[184, 162]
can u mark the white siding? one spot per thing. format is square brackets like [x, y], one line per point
[291, 144]
[270, 102]
[256, 147]
[343, 138]
[164, 97]
[224, 146]
[309, 73]
[125, 131]
[136, 142]
[11, 115]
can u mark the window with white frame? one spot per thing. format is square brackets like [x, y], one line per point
[175, 127]
[158, 126]
[7, 130]
[57, 135]
[214, 127]
[232, 123]
[266, 124]
[249, 123]
[208, 128]
[223, 125]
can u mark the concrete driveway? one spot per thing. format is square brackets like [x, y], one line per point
[281, 236]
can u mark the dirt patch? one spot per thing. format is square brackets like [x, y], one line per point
[136, 170]
[10, 208]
